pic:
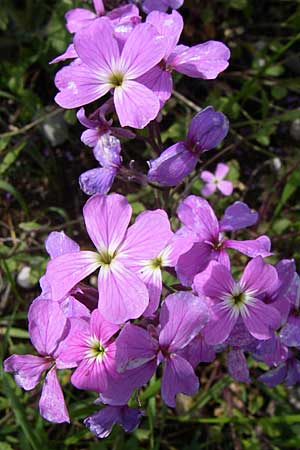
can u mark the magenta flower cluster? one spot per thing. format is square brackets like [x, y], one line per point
[114, 335]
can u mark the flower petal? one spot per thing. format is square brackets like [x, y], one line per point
[78, 18]
[260, 277]
[146, 238]
[135, 347]
[97, 180]
[46, 327]
[238, 216]
[226, 187]
[197, 214]
[207, 129]
[106, 219]
[205, 60]
[143, 49]
[159, 81]
[100, 55]
[214, 282]
[27, 369]
[178, 376]
[101, 328]
[260, 319]
[83, 86]
[182, 316]
[122, 294]
[136, 105]
[192, 262]
[58, 243]
[65, 271]
[52, 403]
[169, 26]
[252, 248]
[237, 366]
[219, 328]
[221, 171]
[172, 166]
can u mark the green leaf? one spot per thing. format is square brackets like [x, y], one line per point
[9, 188]
[293, 183]
[10, 157]
[20, 414]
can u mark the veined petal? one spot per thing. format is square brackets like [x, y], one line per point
[106, 218]
[169, 26]
[65, 271]
[274, 376]
[97, 180]
[173, 165]
[238, 216]
[146, 238]
[158, 81]
[52, 403]
[58, 243]
[94, 374]
[47, 324]
[101, 55]
[219, 328]
[134, 348]
[27, 369]
[237, 366]
[182, 316]
[83, 86]
[101, 328]
[260, 319]
[192, 262]
[143, 49]
[252, 248]
[178, 376]
[78, 18]
[122, 294]
[260, 277]
[153, 280]
[197, 214]
[136, 105]
[214, 282]
[205, 60]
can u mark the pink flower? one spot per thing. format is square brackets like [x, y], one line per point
[103, 67]
[216, 181]
[122, 293]
[48, 327]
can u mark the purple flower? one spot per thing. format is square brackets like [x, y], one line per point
[161, 5]
[216, 181]
[103, 67]
[237, 365]
[79, 300]
[150, 271]
[101, 422]
[79, 18]
[203, 227]
[89, 344]
[287, 373]
[107, 152]
[207, 129]
[200, 61]
[181, 319]
[122, 293]
[48, 327]
[233, 300]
